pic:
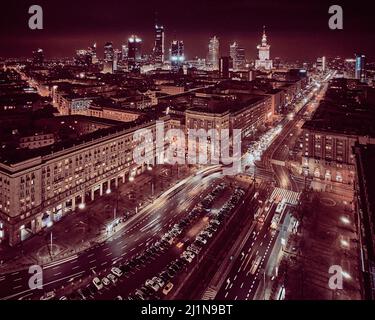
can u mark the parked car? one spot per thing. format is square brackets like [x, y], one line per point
[112, 278]
[48, 295]
[97, 283]
[150, 283]
[168, 287]
[105, 281]
[117, 272]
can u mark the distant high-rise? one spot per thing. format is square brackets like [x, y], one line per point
[108, 52]
[92, 53]
[213, 53]
[237, 54]
[263, 61]
[360, 67]
[177, 56]
[158, 51]
[38, 57]
[108, 58]
[134, 53]
[321, 64]
[124, 52]
[224, 67]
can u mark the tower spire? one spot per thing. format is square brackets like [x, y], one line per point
[264, 36]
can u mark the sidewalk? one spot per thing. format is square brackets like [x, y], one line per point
[82, 229]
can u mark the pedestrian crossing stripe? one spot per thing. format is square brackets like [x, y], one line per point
[291, 197]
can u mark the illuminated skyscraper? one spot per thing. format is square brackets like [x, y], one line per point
[263, 61]
[177, 56]
[108, 58]
[321, 64]
[108, 52]
[237, 54]
[360, 67]
[158, 51]
[134, 53]
[92, 53]
[213, 53]
[124, 52]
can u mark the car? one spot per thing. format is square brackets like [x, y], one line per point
[188, 258]
[139, 295]
[159, 281]
[112, 278]
[171, 272]
[216, 222]
[63, 298]
[105, 281]
[168, 287]
[201, 239]
[117, 271]
[164, 275]
[79, 291]
[48, 295]
[119, 298]
[97, 283]
[152, 284]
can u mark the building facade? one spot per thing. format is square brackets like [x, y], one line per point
[38, 191]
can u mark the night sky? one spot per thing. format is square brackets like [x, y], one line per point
[296, 29]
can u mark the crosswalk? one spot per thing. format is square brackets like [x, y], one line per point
[209, 294]
[291, 197]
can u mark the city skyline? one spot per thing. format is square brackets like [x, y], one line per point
[291, 36]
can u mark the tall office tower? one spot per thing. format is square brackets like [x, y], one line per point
[224, 67]
[360, 67]
[263, 61]
[124, 52]
[38, 57]
[92, 53]
[158, 51]
[213, 53]
[237, 55]
[177, 56]
[349, 68]
[108, 51]
[116, 58]
[321, 64]
[134, 53]
[108, 58]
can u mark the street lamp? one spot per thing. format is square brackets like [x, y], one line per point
[82, 206]
[108, 191]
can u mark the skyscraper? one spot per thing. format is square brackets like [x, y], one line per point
[38, 56]
[224, 67]
[108, 52]
[360, 67]
[321, 64]
[177, 56]
[158, 51]
[263, 61]
[134, 53]
[108, 58]
[237, 54]
[124, 52]
[213, 53]
[92, 53]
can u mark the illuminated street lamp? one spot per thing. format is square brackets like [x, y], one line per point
[82, 206]
[108, 191]
[345, 220]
